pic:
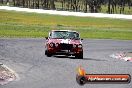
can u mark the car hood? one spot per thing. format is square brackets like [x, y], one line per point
[66, 41]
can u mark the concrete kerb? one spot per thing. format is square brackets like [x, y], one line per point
[7, 75]
[126, 56]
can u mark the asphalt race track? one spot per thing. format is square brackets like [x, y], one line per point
[26, 57]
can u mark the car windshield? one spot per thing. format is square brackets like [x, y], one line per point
[64, 35]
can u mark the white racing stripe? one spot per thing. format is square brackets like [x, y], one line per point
[65, 41]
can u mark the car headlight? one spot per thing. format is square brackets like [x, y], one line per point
[56, 45]
[51, 44]
[79, 46]
[74, 45]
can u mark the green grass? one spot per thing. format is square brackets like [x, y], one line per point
[22, 24]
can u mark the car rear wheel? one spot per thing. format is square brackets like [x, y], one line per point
[47, 53]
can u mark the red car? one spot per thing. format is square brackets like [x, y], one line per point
[64, 42]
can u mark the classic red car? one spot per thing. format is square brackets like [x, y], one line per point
[64, 42]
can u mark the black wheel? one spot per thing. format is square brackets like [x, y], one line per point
[79, 56]
[47, 54]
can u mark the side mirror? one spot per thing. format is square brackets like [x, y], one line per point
[46, 38]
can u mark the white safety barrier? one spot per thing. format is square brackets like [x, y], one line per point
[67, 13]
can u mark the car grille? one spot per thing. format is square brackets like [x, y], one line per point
[66, 46]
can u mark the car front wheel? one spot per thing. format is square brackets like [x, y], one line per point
[47, 53]
[79, 56]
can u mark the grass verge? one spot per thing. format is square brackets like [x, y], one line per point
[22, 24]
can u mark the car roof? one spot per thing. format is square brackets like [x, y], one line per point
[64, 30]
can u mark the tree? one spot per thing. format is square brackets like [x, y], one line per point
[52, 4]
[14, 3]
[85, 6]
[23, 3]
[109, 3]
[2, 1]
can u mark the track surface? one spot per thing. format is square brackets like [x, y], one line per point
[26, 57]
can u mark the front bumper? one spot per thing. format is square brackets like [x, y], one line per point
[64, 52]
[56, 51]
